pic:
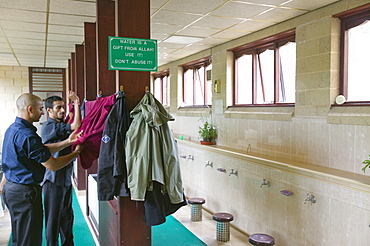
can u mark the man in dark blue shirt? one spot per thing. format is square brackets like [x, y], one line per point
[57, 185]
[24, 159]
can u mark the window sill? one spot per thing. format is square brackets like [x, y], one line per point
[349, 115]
[261, 113]
[194, 111]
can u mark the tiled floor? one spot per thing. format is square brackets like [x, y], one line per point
[205, 229]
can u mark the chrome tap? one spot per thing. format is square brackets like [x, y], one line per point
[265, 182]
[234, 172]
[209, 163]
[310, 198]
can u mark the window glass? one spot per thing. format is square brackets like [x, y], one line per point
[197, 86]
[287, 73]
[358, 66]
[265, 71]
[243, 91]
[265, 77]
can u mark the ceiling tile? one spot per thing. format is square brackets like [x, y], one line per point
[24, 34]
[252, 25]
[69, 20]
[279, 14]
[309, 5]
[159, 36]
[77, 39]
[69, 49]
[229, 34]
[61, 43]
[22, 15]
[17, 40]
[216, 22]
[193, 6]
[175, 18]
[213, 41]
[57, 29]
[165, 28]
[172, 45]
[156, 4]
[29, 56]
[55, 53]
[28, 46]
[36, 5]
[239, 10]
[23, 26]
[264, 2]
[71, 7]
[198, 31]
[19, 52]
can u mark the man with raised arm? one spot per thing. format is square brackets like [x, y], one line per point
[57, 185]
[24, 160]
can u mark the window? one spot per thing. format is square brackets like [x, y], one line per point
[161, 90]
[355, 53]
[197, 83]
[265, 71]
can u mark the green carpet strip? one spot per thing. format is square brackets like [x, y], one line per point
[171, 233]
[81, 232]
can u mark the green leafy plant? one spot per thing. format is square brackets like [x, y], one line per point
[367, 164]
[208, 132]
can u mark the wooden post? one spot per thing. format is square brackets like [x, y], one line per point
[133, 21]
[105, 26]
[91, 88]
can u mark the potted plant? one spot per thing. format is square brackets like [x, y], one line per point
[366, 163]
[208, 133]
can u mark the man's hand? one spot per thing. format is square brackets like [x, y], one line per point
[79, 147]
[74, 136]
[73, 97]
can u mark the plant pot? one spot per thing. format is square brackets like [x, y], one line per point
[207, 143]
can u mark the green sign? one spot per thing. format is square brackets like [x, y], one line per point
[132, 54]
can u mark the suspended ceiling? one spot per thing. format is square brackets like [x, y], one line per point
[43, 33]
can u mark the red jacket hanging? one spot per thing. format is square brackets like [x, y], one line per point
[93, 126]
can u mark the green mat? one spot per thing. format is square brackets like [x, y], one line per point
[81, 232]
[171, 233]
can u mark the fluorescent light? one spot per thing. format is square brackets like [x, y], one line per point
[182, 39]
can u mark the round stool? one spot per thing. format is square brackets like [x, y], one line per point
[196, 208]
[223, 226]
[261, 239]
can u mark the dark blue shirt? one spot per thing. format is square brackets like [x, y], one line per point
[53, 132]
[23, 153]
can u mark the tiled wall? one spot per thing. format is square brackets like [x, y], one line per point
[13, 82]
[340, 215]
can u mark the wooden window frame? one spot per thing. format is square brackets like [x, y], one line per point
[255, 48]
[201, 63]
[349, 19]
[162, 74]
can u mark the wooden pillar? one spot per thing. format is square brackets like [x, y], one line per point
[91, 90]
[80, 176]
[80, 71]
[105, 26]
[73, 73]
[69, 76]
[133, 21]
